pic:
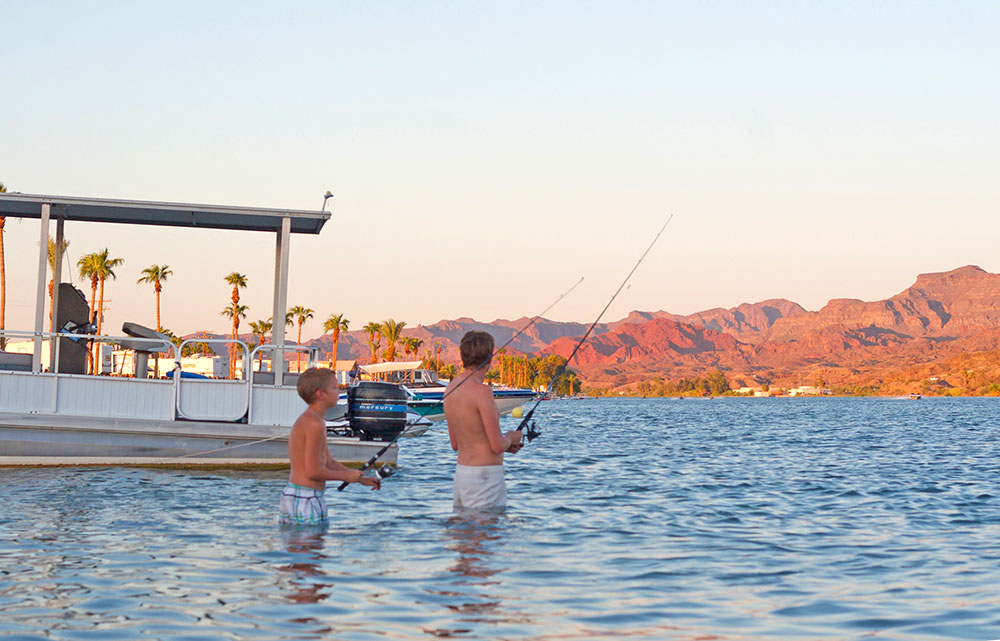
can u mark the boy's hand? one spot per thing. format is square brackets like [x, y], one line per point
[373, 482]
[516, 441]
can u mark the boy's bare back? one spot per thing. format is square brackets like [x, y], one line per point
[474, 423]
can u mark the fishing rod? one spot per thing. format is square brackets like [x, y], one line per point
[485, 363]
[526, 423]
[386, 471]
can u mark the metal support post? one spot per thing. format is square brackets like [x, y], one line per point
[280, 300]
[43, 262]
[56, 280]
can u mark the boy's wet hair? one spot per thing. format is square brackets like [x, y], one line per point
[311, 381]
[476, 348]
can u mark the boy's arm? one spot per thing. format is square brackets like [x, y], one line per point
[349, 475]
[499, 442]
[317, 455]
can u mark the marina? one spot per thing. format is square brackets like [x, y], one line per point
[52, 410]
[426, 392]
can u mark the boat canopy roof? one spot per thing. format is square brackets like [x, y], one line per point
[141, 212]
[402, 366]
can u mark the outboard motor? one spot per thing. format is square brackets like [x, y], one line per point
[376, 411]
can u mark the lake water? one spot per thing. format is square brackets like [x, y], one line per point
[628, 518]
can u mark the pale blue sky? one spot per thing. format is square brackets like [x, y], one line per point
[486, 155]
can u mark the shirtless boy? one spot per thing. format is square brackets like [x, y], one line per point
[474, 429]
[302, 501]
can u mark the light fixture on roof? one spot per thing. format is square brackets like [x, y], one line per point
[327, 197]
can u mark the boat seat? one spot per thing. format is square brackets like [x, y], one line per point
[15, 362]
[267, 378]
[140, 331]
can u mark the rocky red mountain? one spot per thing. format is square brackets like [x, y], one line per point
[940, 317]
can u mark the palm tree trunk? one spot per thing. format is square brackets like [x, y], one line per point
[91, 369]
[232, 347]
[100, 324]
[298, 354]
[100, 307]
[158, 326]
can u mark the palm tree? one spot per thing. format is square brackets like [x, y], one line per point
[238, 281]
[104, 265]
[260, 329]
[411, 345]
[155, 274]
[374, 331]
[235, 311]
[3, 279]
[98, 267]
[574, 382]
[52, 267]
[393, 332]
[301, 315]
[336, 324]
[88, 269]
[174, 338]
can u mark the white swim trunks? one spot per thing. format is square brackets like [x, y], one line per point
[480, 486]
[302, 506]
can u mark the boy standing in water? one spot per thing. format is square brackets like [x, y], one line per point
[474, 429]
[302, 501]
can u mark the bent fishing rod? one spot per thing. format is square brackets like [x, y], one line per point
[385, 471]
[527, 426]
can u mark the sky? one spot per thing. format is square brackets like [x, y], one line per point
[485, 156]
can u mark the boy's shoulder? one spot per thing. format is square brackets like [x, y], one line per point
[307, 421]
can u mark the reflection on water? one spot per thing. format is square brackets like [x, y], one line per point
[475, 536]
[733, 519]
[306, 544]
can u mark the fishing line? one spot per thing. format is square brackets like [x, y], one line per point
[385, 471]
[382, 472]
[485, 363]
[533, 431]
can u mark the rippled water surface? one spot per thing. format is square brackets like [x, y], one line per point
[661, 519]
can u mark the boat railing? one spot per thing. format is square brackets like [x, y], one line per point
[51, 339]
[213, 399]
[264, 392]
[255, 375]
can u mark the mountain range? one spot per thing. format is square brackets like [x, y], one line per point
[944, 327]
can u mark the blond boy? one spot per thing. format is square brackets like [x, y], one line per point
[302, 501]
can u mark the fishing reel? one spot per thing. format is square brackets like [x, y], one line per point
[385, 471]
[532, 432]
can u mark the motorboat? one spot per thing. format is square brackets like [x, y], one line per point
[59, 407]
[426, 391]
[416, 425]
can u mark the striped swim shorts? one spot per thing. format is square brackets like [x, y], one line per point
[302, 506]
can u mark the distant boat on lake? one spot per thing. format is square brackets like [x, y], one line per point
[427, 391]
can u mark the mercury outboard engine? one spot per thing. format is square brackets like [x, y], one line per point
[376, 411]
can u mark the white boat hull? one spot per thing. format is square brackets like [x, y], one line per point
[434, 409]
[37, 439]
